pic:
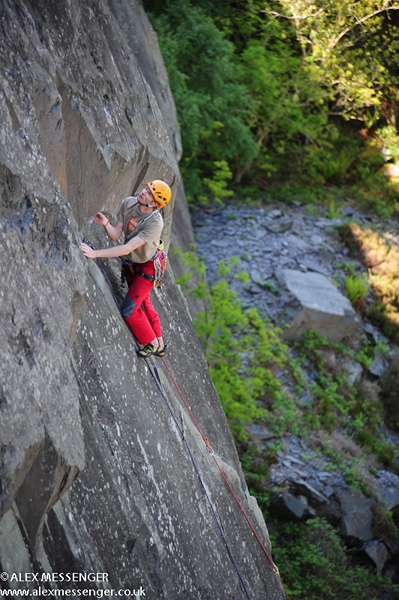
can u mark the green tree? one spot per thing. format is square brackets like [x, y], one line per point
[268, 87]
[304, 63]
[212, 103]
[344, 45]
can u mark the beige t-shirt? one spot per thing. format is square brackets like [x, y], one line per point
[150, 231]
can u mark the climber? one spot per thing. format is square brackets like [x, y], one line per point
[141, 222]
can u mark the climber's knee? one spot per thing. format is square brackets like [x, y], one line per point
[128, 307]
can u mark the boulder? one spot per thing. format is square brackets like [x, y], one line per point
[379, 364]
[313, 302]
[354, 371]
[356, 515]
[388, 488]
[293, 508]
[279, 225]
[311, 265]
[378, 553]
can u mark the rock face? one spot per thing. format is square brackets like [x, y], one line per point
[143, 43]
[105, 469]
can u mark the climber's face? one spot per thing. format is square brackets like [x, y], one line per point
[145, 198]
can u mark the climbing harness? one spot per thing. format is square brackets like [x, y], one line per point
[160, 259]
[182, 430]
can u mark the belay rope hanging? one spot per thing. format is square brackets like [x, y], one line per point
[181, 428]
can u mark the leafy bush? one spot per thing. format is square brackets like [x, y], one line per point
[389, 138]
[383, 523]
[241, 348]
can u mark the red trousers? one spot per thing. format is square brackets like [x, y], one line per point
[137, 308]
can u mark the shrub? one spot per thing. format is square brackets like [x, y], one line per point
[241, 348]
[383, 523]
[314, 564]
[357, 288]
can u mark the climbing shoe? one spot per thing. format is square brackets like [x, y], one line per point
[159, 352]
[146, 351]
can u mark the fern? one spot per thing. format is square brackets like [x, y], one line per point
[356, 288]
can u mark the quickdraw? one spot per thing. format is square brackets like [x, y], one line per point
[208, 446]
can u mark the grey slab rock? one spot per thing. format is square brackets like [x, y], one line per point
[296, 242]
[354, 371]
[143, 41]
[291, 507]
[307, 490]
[357, 515]
[379, 555]
[73, 82]
[388, 487]
[13, 555]
[379, 365]
[274, 214]
[320, 305]
[312, 265]
[140, 469]
[279, 225]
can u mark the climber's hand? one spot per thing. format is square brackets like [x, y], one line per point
[87, 251]
[100, 219]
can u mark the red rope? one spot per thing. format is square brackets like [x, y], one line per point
[184, 400]
[210, 450]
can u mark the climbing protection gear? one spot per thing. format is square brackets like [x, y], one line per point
[161, 192]
[160, 264]
[136, 269]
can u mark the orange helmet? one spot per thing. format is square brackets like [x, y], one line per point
[161, 192]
